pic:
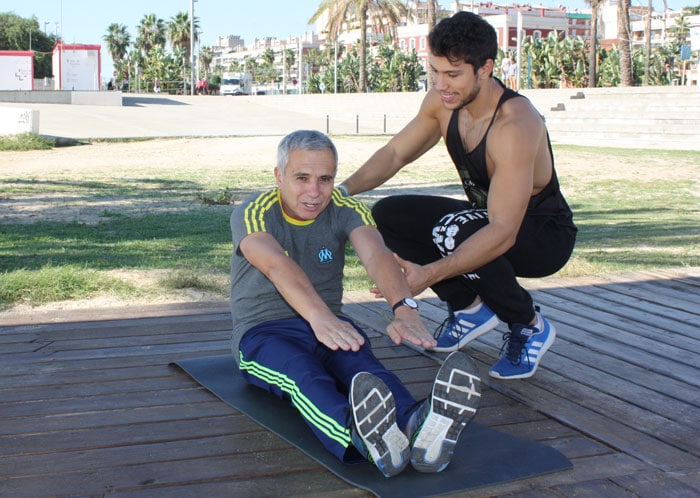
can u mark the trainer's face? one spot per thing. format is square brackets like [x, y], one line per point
[306, 184]
[457, 83]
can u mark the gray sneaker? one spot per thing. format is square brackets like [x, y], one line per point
[375, 433]
[440, 420]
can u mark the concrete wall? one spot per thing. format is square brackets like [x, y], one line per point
[63, 97]
[14, 120]
[636, 117]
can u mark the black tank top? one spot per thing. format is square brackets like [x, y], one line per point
[472, 170]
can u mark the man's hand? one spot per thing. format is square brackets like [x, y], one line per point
[416, 275]
[335, 333]
[408, 326]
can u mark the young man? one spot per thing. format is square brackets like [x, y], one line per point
[516, 221]
[290, 338]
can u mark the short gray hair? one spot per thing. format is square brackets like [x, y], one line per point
[303, 140]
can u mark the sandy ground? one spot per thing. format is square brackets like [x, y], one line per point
[102, 161]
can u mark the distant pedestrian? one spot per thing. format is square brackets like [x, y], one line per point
[513, 75]
[505, 67]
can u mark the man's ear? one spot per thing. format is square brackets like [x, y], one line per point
[486, 70]
[278, 176]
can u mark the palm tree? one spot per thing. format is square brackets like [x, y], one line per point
[151, 33]
[118, 41]
[593, 47]
[178, 31]
[205, 57]
[647, 42]
[623, 34]
[424, 15]
[383, 14]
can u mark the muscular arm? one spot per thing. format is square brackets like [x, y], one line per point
[264, 252]
[387, 275]
[414, 140]
[512, 148]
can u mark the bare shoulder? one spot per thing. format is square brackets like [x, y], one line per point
[518, 115]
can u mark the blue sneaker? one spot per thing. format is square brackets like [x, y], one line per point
[375, 433]
[435, 427]
[522, 350]
[460, 328]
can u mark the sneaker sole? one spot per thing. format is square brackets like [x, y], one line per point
[545, 347]
[487, 326]
[455, 398]
[374, 413]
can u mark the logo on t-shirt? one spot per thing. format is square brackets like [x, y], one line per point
[325, 255]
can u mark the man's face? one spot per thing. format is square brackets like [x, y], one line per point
[457, 83]
[307, 183]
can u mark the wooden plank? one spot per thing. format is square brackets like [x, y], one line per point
[101, 437]
[598, 306]
[643, 484]
[36, 465]
[104, 402]
[607, 334]
[643, 302]
[41, 424]
[97, 315]
[319, 483]
[673, 295]
[172, 474]
[584, 470]
[599, 425]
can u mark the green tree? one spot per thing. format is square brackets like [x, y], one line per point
[266, 68]
[289, 60]
[118, 41]
[393, 70]
[383, 15]
[178, 32]
[151, 33]
[624, 36]
[205, 58]
[16, 33]
[593, 44]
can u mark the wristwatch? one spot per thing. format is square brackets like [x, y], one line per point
[405, 302]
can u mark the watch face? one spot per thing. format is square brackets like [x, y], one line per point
[410, 303]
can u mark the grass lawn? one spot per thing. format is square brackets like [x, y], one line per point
[635, 210]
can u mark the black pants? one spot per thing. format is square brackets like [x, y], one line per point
[423, 228]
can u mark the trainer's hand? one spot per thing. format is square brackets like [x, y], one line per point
[335, 333]
[416, 275]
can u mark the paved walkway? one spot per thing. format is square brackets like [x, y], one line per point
[639, 117]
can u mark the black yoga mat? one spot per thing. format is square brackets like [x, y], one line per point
[483, 456]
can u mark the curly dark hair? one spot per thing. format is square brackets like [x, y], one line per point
[464, 37]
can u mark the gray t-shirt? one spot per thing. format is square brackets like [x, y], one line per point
[318, 246]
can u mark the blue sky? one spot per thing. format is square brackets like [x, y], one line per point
[77, 22]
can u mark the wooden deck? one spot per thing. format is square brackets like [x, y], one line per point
[90, 407]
